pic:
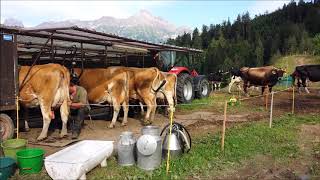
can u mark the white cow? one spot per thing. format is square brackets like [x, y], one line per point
[237, 80]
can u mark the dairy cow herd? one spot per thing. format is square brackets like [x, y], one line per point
[47, 86]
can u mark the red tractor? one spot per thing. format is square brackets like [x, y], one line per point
[190, 84]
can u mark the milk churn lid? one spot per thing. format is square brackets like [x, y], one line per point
[147, 145]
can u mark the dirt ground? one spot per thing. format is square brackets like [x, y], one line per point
[197, 122]
[265, 167]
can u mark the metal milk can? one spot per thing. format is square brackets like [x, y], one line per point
[149, 148]
[126, 149]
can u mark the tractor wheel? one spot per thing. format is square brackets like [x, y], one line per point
[6, 127]
[204, 89]
[185, 93]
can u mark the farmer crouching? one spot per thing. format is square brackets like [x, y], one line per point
[79, 106]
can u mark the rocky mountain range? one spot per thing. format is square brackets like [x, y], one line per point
[142, 26]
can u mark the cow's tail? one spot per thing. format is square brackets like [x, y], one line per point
[159, 81]
[65, 82]
[127, 86]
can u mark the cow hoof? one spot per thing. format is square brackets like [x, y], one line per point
[123, 124]
[63, 135]
[146, 123]
[40, 138]
[111, 126]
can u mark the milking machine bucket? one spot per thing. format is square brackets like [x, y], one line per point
[180, 140]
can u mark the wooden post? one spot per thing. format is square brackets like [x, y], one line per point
[292, 111]
[168, 147]
[17, 109]
[271, 109]
[224, 124]
[51, 55]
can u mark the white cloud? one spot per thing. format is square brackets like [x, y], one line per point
[35, 12]
[260, 7]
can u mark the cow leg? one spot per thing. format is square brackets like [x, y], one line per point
[26, 118]
[26, 126]
[306, 89]
[230, 85]
[45, 110]
[154, 108]
[142, 109]
[64, 112]
[125, 108]
[270, 89]
[169, 97]
[116, 109]
[304, 79]
[149, 109]
[245, 86]
[262, 89]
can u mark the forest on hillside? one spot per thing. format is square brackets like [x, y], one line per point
[293, 29]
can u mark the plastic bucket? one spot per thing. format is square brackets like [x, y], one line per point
[7, 167]
[12, 146]
[30, 160]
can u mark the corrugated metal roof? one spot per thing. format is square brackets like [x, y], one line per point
[81, 35]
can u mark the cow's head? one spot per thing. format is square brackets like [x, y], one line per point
[278, 73]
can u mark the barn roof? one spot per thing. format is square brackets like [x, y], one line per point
[92, 37]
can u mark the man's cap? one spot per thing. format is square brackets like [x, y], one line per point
[74, 79]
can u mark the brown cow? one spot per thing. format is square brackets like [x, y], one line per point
[116, 92]
[46, 86]
[167, 92]
[143, 83]
[260, 76]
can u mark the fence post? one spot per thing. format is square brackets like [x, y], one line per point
[292, 111]
[266, 100]
[224, 125]
[271, 109]
[17, 114]
[170, 132]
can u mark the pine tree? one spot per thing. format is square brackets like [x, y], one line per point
[196, 39]
[259, 53]
[205, 37]
[316, 43]
[292, 44]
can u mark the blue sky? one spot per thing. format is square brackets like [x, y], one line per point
[181, 13]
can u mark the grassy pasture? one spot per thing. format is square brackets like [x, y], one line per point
[207, 160]
[244, 142]
[290, 62]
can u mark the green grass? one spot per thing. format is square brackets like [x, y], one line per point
[242, 142]
[215, 103]
[290, 62]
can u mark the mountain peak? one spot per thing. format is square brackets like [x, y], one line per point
[13, 22]
[144, 12]
[142, 26]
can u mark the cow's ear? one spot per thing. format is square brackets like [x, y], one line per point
[274, 71]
